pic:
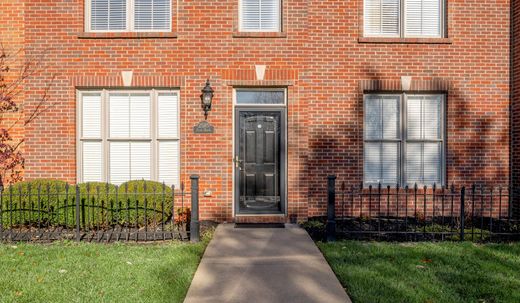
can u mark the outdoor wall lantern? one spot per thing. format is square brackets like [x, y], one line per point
[206, 98]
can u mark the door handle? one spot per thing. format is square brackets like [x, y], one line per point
[238, 162]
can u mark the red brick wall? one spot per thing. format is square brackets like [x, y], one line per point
[12, 41]
[515, 92]
[321, 60]
[474, 62]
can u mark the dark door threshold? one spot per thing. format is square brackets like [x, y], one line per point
[259, 225]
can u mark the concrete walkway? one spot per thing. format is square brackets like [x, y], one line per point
[264, 265]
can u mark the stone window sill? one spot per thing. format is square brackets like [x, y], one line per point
[405, 40]
[126, 35]
[259, 35]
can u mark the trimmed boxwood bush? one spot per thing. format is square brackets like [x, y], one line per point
[140, 192]
[21, 202]
[101, 204]
[97, 204]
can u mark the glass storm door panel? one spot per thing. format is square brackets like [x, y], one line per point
[259, 161]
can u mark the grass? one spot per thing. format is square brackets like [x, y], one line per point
[71, 272]
[426, 272]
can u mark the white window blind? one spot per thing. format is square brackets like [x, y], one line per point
[382, 18]
[119, 162]
[422, 18]
[382, 162]
[130, 161]
[129, 115]
[387, 135]
[91, 108]
[92, 148]
[119, 124]
[169, 162]
[140, 116]
[260, 15]
[129, 15]
[152, 15]
[108, 15]
[139, 144]
[381, 134]
[168, 134]
[92, 161]
[168, 107]
[424, 139]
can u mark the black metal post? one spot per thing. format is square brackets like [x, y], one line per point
[462, 216]
[1, 207]
[331, 204]
[195, 224]
[78, 235]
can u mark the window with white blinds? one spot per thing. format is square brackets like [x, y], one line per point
[382, 18]
[423, 18]
[403, 18]
[106, 15]
[260, 15]
[404, 139]
[129, 136]
[129, 15]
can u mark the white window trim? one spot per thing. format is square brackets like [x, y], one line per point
[105, 137]
[277, 30]
[130, 26]
[403, 138]
[402, 23]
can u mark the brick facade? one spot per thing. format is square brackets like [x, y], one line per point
[320, 57]
[12, 29]
[515, 95]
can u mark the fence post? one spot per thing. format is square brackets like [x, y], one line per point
[78, 235]
[331, 212]
[462, 212]
[1, 208]
[194, 225]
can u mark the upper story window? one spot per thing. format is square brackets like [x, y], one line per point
[260, 15]
[404, 139]
[404, 18]
[128, 15]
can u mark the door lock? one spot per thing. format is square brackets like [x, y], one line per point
[237, 162]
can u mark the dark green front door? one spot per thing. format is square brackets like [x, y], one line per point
[260, 161]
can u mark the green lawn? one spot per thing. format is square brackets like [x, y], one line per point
[70, 272]
[426, 272]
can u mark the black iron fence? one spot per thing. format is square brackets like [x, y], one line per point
[476, 213]
[99, 212]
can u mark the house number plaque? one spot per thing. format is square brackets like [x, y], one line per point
[203, 128]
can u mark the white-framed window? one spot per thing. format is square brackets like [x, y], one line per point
[404, 18]
[128, 15]
[128, 135]
[404, 139]
[260, 15]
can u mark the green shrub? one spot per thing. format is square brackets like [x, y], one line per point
[137, 194]
[101, 204]
[33, 202]
[97, 204]
[315, 228]
[104, 204]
